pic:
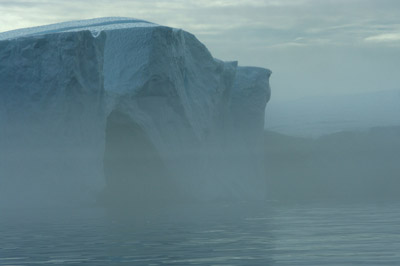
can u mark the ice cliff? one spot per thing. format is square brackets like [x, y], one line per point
[139, 110]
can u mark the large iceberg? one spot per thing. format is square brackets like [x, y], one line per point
[139, 111]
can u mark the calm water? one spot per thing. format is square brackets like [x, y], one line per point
[241, 234]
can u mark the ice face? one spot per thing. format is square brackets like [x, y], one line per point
[140, 109]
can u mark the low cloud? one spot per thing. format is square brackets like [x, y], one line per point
[386, 37]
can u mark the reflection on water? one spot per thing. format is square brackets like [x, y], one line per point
[241, 234]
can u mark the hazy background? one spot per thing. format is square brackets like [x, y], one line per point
[314, 48]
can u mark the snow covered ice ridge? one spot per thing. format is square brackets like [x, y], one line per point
[139, 110]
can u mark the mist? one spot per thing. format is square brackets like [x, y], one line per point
[352, 166]
[240, 133]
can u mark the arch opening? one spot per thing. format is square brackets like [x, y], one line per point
[134, 170]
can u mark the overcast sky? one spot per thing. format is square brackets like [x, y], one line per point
[313, 47]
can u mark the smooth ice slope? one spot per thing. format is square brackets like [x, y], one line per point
[138, 108]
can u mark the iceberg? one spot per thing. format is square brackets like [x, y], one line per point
[140, 111]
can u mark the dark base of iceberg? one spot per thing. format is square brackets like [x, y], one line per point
[133, 168]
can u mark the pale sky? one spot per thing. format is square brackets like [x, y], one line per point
[313, 47]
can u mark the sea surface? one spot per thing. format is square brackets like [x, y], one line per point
[263, 233]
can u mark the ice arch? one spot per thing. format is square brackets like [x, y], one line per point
[134, 171]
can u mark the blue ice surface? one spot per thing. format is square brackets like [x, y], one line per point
[94, 25]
